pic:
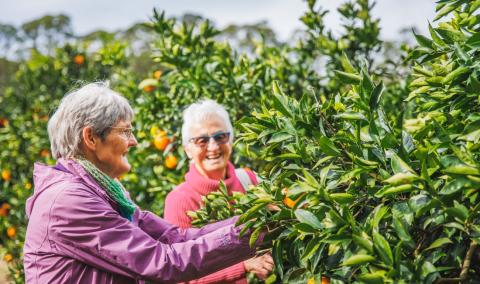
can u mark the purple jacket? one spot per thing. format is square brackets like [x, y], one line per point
[75, 235]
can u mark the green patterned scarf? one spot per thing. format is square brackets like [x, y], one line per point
[112, 187]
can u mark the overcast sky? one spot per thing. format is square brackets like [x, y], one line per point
[282, 15]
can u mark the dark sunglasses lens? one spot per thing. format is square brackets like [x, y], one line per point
[221, 137]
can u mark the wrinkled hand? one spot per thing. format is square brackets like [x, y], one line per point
[261, 265]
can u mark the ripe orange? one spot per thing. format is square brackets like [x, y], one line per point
[6, 175]
[325, 280]
[3, 122]
[157, 74]
[44, 153]
[8, 257]
[171, 161]
[4, 209]
[79, 59]
[289, 202]
[149, 88]
[161, 142]
[11, 232]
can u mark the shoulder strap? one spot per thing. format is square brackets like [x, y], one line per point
[243, 177]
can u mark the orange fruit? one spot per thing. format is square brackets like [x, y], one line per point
[3, 122]
[311, 281]
[4, 209]
[11, 232]
[171, 161]
[157, 74]
[79, 59]
[325, 280]
[161, 142]
[44, 153]
[6, 175]
[290, 203]
[149, 88]
[8, 257]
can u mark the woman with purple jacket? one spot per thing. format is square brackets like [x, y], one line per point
[83, 227]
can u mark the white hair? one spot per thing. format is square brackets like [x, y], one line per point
[94, 105]
[200, 112]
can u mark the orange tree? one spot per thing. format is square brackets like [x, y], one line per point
[192, 63]
[369, 200]
[39, 84]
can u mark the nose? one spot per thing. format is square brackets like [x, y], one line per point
[212, 144]
[132, 141]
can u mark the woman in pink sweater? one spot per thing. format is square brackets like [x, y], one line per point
[207, 136]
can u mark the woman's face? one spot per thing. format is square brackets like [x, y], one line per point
[210, 159]
[111, 153]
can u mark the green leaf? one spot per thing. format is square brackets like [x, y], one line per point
[277, 251]
[439, 243]
[327, 146]
[399, 166]
[364, 241]
[311, 249]
[358, 259]
[279, 137]
[348, 78]
[382, 248]
[474, 40]
[376, 95]
[401, 178]
[279, 100]
[254, 236]
[423, 41]
[454, 186]
[351, 116]
[308, 218]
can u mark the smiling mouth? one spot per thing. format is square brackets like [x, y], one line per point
[213, 157]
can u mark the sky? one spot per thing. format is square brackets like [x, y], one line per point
[282, 15]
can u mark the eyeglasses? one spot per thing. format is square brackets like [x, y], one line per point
[219, 138]
[127, 132]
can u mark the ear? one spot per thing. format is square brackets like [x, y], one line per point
[89, 139]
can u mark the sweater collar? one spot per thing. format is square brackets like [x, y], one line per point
[204, 185]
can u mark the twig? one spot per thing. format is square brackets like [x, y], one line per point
[465, 267]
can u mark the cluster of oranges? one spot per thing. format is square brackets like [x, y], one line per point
[161, 141]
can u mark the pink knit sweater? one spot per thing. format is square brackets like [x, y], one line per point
[187, 197]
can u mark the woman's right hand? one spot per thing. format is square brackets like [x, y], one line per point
[261, 265]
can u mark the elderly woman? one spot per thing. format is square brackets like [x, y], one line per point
[207, 136]
[83, 227]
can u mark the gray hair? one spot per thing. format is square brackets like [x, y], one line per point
[200, 112]
[94, 105]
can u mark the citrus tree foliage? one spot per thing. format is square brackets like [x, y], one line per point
[361, 200]
[39, 85]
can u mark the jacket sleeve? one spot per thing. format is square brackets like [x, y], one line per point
[83, 226]
[168, 232]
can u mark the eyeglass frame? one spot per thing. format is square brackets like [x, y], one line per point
[126, 131]
[210, 137]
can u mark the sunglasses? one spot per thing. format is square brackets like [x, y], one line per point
[219, 138]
